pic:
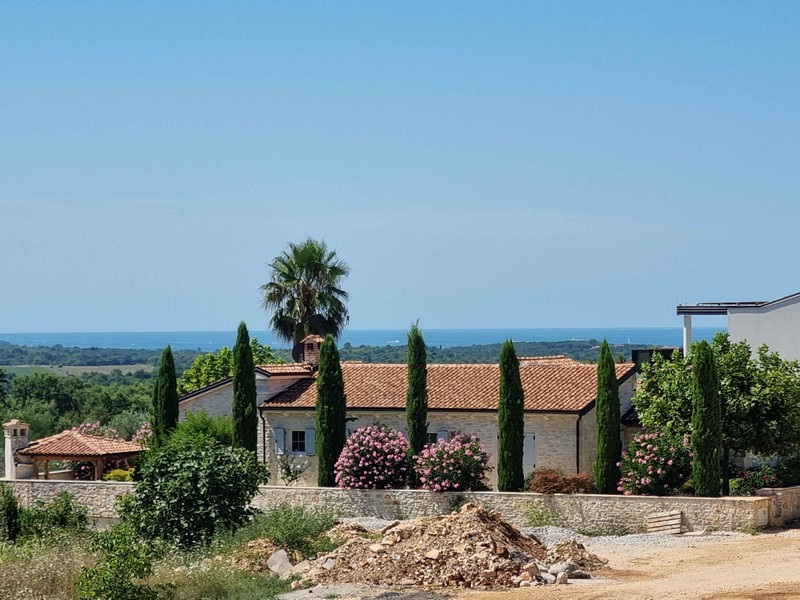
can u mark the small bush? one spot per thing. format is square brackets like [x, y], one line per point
[289, 470]
[61, 515]
[190, 489]
[200, 425]
[752, 479]
[9, 515]
[295, 528]
[126, 558]
[788, 470]
[458, 464]
[119, 475]
[373, 458]
[655, 464]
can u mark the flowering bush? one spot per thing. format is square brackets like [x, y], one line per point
[749, 480]
[458, 464]
[655, 464]
[373, 458]
[143, 434]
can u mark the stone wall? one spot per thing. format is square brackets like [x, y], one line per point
[594, 514]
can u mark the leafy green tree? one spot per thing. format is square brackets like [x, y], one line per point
[190, 489]
[331, 412]
[244, 393]
[511, 423]
[607, 410]
[304, 292]
[165, 398]
[416, 397]
[216, 366]
[706, 422]
[759, 397]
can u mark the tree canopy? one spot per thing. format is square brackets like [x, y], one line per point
[416, 395]
[245, 434]
[609, 443]
[215, 366]
[304, 293]
[759, 397]
[706, 422]
[511, 423]
[331, 413]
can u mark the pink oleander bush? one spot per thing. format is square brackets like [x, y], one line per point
[458, 464]
[655, 464]
[373, 458]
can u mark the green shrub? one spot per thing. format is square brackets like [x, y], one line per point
[61, 515]
[119, 475]
[752, 479]
[125, 559]
[200, 425]
[788, 470]
[295, 528]
[9, 515]
[190, 489]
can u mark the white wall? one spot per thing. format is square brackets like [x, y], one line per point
[777, 325]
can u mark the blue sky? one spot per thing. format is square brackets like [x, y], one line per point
[476, 164]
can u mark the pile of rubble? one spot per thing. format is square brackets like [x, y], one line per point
[473, 548]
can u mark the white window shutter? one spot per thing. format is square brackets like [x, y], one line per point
[311, 442]
[529, 453]
[280, 440]
[442, 434]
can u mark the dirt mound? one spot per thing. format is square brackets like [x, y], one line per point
[473, 548]
[574, 552]
[254, 556]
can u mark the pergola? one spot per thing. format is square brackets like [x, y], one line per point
[78, 447]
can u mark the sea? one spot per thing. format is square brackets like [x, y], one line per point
[446, 338]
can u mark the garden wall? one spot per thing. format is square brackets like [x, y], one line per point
[589, 513]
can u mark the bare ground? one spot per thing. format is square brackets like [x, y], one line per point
[763, 567]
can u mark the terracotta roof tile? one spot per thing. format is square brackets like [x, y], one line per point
[287, 369]
[567, 386]
[72, 443]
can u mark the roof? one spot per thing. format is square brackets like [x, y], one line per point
[721, 308]
[562, 386]
[74, 444]
[287, 369]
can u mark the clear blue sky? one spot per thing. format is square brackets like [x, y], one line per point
[476, 164]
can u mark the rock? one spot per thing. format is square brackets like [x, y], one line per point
[377, 548]
[530, 568]
[579, 575]
[525, 576]
[279, 563]
[391, 525]
[562, 578]
[433, 554]
[296, 584]
[328, 563]
[300, 568]
[563, 567]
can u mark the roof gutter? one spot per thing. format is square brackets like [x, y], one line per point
[578, 443]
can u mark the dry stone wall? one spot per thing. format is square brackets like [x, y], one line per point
[588, 513]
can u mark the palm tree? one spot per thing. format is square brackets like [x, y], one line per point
[304, 292]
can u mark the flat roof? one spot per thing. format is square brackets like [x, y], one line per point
[721, 308]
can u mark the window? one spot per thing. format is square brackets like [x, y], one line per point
[432, 438]
[298, 442]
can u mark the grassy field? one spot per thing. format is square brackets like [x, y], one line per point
[69, 370]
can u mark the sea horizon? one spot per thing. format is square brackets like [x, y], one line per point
[207, 341]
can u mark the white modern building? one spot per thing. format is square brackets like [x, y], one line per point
[775, 323]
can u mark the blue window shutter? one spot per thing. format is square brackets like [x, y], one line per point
[442, 434]
[529, 453]
[311, 446]
[280, 440]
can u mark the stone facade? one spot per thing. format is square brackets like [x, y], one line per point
[589, 513]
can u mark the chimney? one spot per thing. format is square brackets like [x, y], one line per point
[16, 438]
[311, 346]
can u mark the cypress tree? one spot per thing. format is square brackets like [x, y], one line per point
[607, 411]
[165, 398]
[245, 432]
[706, 422]
[331, 412]
[510, 423]
[416, 397]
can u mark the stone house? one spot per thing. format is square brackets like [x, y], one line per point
[560, 427]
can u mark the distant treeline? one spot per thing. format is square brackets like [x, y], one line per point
[582, 350]
[11, 354]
